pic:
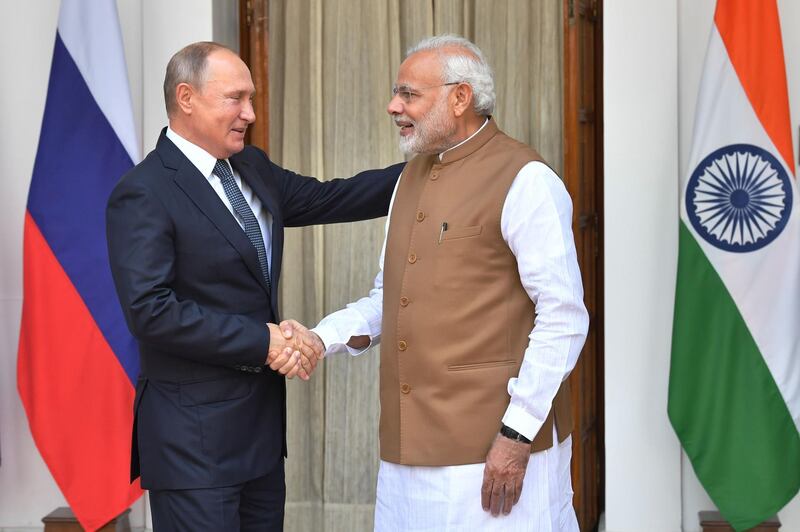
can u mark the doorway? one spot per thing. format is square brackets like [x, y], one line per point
[583, 176]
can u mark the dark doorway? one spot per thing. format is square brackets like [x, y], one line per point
[583, 175]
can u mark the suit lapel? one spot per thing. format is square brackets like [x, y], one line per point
[198, 189]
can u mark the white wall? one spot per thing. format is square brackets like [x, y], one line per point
[26, 490]
[643, 490]
[654, 52]
[152, 31]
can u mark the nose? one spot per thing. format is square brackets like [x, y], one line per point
[248, 114]
[395, 106]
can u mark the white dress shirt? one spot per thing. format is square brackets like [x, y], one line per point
[205, 163]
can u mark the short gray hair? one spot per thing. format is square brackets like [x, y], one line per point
[463, 62]
[188, 65]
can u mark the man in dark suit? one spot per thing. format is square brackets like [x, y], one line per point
[195, 236]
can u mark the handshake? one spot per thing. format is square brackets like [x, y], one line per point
[293, 349]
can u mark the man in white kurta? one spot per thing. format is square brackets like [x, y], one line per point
[536, 225]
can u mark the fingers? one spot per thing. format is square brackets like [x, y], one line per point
[302, 344]
[277, 357]
[276, 344]
[509, 498]
[292, 367]
[307, 365]
[486, 492]
[287, 328]
[305, 340]
[316, 344]
[309, 343]
[285, 362]
[294, 350]
[504, 472]
[497, 498]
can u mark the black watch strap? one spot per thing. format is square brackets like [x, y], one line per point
[512, 434]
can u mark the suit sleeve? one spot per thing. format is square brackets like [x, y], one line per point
[142, 254]
[308, 201]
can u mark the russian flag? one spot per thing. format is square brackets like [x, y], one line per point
[77, 362]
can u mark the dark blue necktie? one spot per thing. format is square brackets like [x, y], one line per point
[239, 204]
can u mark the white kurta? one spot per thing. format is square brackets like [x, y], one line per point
[536, 222]
[448, 499]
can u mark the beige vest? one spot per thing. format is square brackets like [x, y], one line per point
[456, 318]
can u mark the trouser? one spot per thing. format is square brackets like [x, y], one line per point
[255, 505]
[448, 499]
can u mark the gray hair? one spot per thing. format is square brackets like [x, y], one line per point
[188, 65]
[463, 62]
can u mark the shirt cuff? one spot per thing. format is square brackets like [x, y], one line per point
[330, 336]
[518, 419]
[356, 352]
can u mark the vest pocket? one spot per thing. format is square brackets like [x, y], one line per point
[481, 365]
[455, 233]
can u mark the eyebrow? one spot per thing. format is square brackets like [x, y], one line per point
[239, 93]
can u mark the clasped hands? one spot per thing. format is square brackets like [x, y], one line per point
[293, 349]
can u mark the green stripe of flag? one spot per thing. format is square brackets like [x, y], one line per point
[723, 401]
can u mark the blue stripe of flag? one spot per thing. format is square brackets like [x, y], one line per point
[78, 162]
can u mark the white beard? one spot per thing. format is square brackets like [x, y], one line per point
[432, 133]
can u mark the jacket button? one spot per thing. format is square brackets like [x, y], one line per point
[412, 258]
[420, 216]
[404, 301]
[405, 388]
[402, 345]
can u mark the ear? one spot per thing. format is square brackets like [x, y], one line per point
[183, 97]
[462, 95]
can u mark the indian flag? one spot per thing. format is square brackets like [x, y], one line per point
[734, 392]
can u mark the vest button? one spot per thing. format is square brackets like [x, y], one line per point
[402, 345]
[412, 258]
[405, 388]
[420, 216]
[404, 301]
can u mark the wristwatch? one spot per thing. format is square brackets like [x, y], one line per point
[512, 434]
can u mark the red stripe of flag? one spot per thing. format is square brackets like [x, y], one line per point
[78, 398]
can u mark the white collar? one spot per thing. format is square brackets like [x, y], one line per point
[199, 157]
[463, 141]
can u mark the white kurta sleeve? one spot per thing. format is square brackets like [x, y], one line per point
[361, 318]
[536, 222]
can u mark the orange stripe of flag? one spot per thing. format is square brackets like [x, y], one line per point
[751, 31]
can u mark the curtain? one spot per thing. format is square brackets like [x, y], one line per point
[332, 64]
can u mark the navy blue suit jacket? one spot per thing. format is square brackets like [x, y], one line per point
[207, 412]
